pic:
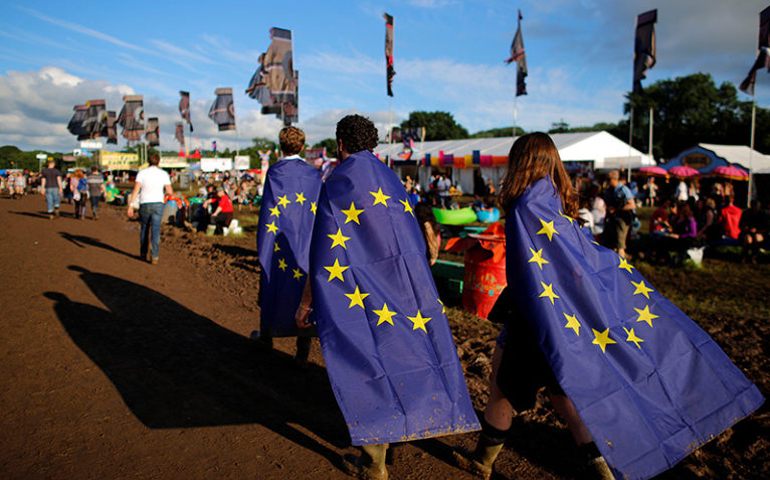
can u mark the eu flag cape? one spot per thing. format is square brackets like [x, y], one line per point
[286, 218]
[650, 385]
[387, 345]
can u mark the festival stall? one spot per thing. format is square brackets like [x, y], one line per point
[489, 156]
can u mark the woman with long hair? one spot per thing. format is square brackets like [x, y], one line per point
[532, 158]
[616, 356]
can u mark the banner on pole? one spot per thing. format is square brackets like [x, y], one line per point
[644, 47]
[131, 117]
[222, 111]
[153, 132]
[519, 56]
[184, 107]
[763, 57]
[275, 83]
[390, 70]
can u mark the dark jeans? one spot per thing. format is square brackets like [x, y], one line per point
[150, 212]
[94, 204]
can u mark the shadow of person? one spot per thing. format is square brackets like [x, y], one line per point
[79, 240]
[176, 369]
[32, 214]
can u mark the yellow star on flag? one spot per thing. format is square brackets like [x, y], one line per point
[537, 257]
[602, 339]
[352, 213]
[276, 247]
[407, 207]
[642, 288]
[645, 315]
[625, 265]
[443, 307]
[547, 229]
[380, 197]
[357, 298]
[271, 228]
[335, 271]
[572, 322]
[297, 273]
[275, 211]
[282, 264]
[571, 220]
[632, 337]
[313, 207]
[300, 198]
[419, 321]
[384, 315]
[338, 239]
[548, 292]
[283, 201]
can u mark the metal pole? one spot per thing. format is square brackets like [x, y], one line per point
[650, 149]
[630, 144]
[390, 131]
[751, 147]
[513, 133]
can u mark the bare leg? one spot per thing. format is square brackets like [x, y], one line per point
[499, 412]
[566, 410]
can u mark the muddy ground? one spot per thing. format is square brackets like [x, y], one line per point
[113, 368]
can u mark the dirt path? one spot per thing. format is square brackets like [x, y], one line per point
[113, 368]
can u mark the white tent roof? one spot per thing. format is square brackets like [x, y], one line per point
[740, 154]
[601, 148]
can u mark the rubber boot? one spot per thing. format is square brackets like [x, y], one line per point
[599, 470]
[371, 464]
[479, 462]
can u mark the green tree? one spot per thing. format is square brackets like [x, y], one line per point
[498, 132]
[331, 147]
[691, 110]
[438, 125]
[560, 127]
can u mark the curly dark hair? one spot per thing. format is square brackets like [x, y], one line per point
[357, 134]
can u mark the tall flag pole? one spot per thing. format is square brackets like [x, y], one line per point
[747, 86]
[518, 55]
[644, 59]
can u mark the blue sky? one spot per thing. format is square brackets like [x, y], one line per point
[448, 56]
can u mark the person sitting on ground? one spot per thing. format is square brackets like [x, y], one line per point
[729, 220]
[708, 230]
[223, 214]
[753, 230]
[659, 220]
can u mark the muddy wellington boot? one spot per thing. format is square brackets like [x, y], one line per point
[479, 462]
[370, 465]
[595, 466]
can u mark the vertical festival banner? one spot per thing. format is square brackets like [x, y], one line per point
[131, 117]
[644, 47]
[763, 56]
[390, 70]
[184, 107]
[275, 83]
[518, 55]
[153, 132]
[222, 111]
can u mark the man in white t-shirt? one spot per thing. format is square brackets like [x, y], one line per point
[151, 186]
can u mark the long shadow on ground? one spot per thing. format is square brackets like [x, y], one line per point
[79, 240]
[176, 369]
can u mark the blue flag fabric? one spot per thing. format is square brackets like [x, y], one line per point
[650, 385]
[286, 219]
[385, 338]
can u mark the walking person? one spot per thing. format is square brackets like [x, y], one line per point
[79, 187]
[150, 187]
[51, 186]
[638, 383]
[95, 181]
[389, 352]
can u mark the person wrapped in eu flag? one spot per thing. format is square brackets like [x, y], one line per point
[642, 381]
[286, 219]
[385, 338]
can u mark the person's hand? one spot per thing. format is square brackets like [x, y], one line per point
[130, 211]
[302, 315]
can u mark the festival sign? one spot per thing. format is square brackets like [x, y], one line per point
[216, 164]
[173, 162]
[241, 162]
[312, 154]
[117, 160]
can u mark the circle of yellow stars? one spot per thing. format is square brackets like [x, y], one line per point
[384, 313]
[274, 216]
[600, 338]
